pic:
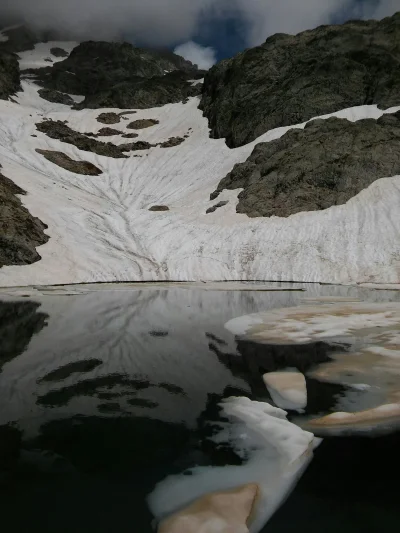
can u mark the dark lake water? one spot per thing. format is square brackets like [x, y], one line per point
[106, 392]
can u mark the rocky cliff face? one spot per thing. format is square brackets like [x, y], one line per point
[120, 75]
[326, 164]
[291, 79]
[20, 232]
[9, 75]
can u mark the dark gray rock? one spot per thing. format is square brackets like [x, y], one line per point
[120, 75]
[130, 135]
[9, 75]
[159, 208]
[107, 132]
[20, 39]
[326, 164]
[291, 79]
[172, 141]
[138, 145]
[62, 160]
[56, 97]
[143, 93]
[59, 130]
[20, 232]
[215, 207]
[58, 52]
[142, 123]
[109, 118]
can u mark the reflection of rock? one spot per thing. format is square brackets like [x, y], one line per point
[90, 387]
[77, 167]
[287, 389]
[220, 512]
[19, 321]
[64, 372]
[112, 443]
[379, 419]
[10, 447]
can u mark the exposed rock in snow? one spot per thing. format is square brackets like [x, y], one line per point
[20, 232]
[140, 124]
[159, 208]
[326, 164]
[59, 130]
[288, 389]
[109, 118]
[9, 75]
[59, 52]
[63, 161]
[290, 79]
[56, 97]
[219, 512]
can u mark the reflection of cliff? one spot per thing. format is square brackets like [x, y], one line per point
[19, 321]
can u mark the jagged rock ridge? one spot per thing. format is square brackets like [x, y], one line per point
[291, 79]
[120, 75]
[326, 164]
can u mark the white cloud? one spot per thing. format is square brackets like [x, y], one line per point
[203, 57]
[165, 22]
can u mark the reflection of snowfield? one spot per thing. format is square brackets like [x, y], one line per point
[101, 229]
[114, 326]
[275, 454]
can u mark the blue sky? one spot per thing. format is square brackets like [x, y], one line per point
[228, 36]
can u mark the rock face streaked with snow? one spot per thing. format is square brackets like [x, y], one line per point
[101, 228]
[291, 79]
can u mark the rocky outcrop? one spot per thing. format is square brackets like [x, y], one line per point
[291, 79]
[142, 123]
[109, 118]
[326, 164]
[9, 75]
[56, 97]
[20, 39]
[20, 232]
[120, 75]
[59, 130]
[172, 141]
[215, 207]
[159, 208]
[63, 161]
[58, 52]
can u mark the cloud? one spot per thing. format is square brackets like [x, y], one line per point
[203, 57]
[167, 22]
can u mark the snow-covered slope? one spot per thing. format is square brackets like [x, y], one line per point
[101, 230]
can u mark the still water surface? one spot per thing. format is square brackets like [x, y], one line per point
[106, 392]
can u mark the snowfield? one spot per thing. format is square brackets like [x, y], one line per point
[100, 227]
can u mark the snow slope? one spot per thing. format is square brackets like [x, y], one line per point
[101, 229]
